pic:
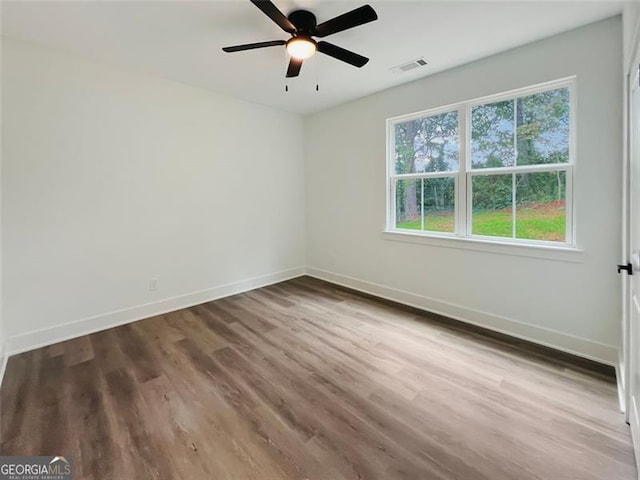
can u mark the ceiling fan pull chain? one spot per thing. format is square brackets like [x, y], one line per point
[286, 88]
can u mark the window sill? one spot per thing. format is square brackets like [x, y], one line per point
[548, 252]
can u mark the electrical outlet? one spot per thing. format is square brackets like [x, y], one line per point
[153, 284]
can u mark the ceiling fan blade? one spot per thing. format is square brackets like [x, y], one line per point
[271, 11]
[342, 54]
[295, 65]
[251, 46]
[359, 16]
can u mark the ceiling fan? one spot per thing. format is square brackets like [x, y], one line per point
[302, 26]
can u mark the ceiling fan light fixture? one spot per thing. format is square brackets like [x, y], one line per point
[301, 47]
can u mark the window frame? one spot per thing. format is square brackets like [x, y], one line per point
[463, 176]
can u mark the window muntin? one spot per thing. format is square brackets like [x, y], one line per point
[502, 168]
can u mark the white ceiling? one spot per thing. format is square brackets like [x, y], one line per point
[182, 40]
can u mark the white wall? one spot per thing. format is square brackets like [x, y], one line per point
[112, 178]
[573, 306]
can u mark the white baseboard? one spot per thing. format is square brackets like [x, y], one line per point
[58, 333]
[582, 347]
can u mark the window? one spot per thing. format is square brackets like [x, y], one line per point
[498, 168]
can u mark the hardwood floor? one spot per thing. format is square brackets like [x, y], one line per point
[305, 380]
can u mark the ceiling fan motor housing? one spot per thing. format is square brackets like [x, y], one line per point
[303, 20]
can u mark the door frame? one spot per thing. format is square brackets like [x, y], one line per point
[630, 327]
[624, 393]
[631, 76]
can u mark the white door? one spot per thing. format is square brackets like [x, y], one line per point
[633, 297]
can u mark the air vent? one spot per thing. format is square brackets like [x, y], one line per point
[407, 67]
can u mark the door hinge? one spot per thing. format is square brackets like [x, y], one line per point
[628, 267]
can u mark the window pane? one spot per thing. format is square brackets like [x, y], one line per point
[492, 135]
[543, 127]
[408, 198]
[541, 131]
[426, 204]
[541, 206]
[428, 144]
[439, 204]
[492, 209]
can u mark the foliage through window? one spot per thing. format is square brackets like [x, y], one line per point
[499, 168]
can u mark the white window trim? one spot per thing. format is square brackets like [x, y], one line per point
[567, 250]
[494, 246]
